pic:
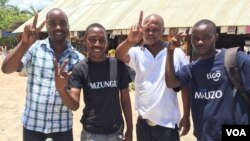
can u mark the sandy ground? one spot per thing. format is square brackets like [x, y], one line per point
[12, 97]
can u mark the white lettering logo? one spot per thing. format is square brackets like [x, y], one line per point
[104, 84]
[208, 95]
[236, 132]
[215, 76]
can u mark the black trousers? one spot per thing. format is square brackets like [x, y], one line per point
[146, 132]
[29, 135]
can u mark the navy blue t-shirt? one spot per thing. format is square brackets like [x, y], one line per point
[212, 102]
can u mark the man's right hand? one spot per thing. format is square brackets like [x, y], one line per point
[31, 33]
[135, 34]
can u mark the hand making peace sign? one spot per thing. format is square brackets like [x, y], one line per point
[31, 33]
[136, 31]
[61, 76]
[176, 41]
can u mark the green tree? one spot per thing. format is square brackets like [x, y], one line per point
[3, 3]
[9, 16]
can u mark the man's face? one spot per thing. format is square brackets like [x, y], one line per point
[57, 26]
[96, 42]
[203, 39]
[152, 33]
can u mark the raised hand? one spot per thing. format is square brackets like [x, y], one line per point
[176, 41]
[135, 34]
[31, 33]
[60, 75]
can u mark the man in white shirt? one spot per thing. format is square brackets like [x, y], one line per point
[157, 105]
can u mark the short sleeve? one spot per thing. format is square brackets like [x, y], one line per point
[132, 55]
[76, 78]
[184, 75]
[26, 59]
[124, 77]
[180, 59]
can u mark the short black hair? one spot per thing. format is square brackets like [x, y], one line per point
[207, 22]
[56, 9]
[94, 25]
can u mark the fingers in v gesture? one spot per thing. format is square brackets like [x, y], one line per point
[60, 75]
[140, 18]
[136, 31]
[177, 40]
[31, 32]
[135, 34]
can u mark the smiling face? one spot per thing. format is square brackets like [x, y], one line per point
[57, 25]
[96, 43]
[203, 39]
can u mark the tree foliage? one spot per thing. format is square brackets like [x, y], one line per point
[10, 15]
[3, 2]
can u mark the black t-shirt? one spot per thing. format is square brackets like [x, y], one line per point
[102, 112]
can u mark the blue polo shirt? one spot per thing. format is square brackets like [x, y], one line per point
[212, 101]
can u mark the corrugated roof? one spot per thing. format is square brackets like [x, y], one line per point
[231, 13]
[121, 14]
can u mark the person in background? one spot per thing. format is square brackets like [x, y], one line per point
[104, 81]
[211, 92]
[157, 105]
[5, 51]
[45, 116]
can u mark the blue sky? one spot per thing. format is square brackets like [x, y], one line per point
[24, 4]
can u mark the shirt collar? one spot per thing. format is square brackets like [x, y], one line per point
[47, 45]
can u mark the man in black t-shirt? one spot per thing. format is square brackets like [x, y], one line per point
[104, 81]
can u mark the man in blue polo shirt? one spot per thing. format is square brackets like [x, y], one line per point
[212, 101]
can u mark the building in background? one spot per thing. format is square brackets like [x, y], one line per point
[232, 18]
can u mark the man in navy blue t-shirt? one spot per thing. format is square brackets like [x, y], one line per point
[211, 92]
